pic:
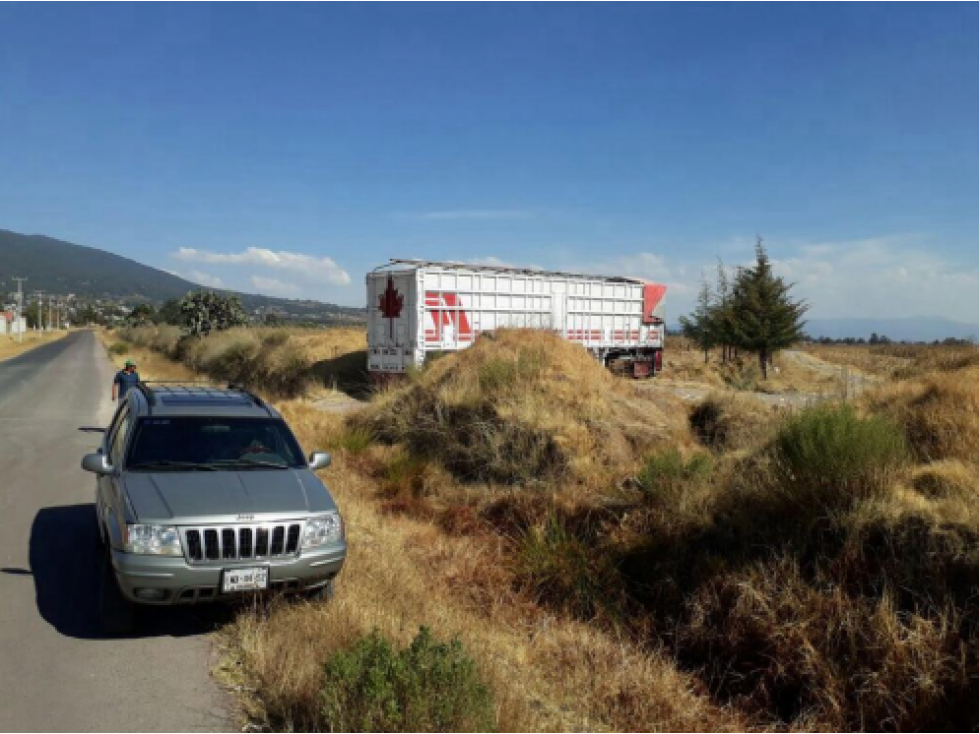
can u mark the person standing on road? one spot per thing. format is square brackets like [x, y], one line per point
[126, 379]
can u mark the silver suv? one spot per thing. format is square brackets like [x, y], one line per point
[204, 494]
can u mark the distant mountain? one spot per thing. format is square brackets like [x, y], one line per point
[55, 266]
[922, 328]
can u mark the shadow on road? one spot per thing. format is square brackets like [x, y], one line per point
[68, 570]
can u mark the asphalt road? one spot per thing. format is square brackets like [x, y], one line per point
[57, 672]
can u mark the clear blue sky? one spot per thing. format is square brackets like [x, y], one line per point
[628, 139]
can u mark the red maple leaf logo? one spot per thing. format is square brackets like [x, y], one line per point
[391, 303]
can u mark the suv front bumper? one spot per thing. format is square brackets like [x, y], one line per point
[181, 583]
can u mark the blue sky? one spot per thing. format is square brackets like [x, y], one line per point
[289, 149]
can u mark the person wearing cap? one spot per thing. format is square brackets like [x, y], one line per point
[125, 380]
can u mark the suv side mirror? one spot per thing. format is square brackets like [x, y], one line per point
[319, 460]
[97, 463]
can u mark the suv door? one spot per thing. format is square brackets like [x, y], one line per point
[109, 503]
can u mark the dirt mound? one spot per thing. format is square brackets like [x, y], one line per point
[519, 407]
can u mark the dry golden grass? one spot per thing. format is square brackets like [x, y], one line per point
[898, 361]
[11, 347]
[940, 413]
[549, 673]
[525, 407]
[326, 344]
[684, 364]
[151, 365]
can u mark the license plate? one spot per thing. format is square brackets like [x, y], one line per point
[245, 579]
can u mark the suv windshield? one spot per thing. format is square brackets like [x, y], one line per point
[232, 444]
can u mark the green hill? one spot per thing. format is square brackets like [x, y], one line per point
[55, 266]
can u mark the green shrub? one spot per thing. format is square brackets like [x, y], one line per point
[561, 563]
[666, 475]
[471, 440]
[354, 439]
[119, 348]
[830, 456]
[404, 476]
[428, 686]
[496, 374]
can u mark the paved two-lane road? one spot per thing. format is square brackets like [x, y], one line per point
[57, 673]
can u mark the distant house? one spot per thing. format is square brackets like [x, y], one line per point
[9, 323]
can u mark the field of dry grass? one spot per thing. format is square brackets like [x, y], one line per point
[11, 347]
[684, 364]
[897, 361]
[615, 560]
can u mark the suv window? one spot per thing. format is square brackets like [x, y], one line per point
[118, 439]
[214, 443]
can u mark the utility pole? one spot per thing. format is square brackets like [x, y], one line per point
[40, 311]
[20, 325]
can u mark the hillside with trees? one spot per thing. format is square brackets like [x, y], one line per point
[56, 266]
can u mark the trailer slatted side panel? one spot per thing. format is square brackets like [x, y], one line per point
[415, 308]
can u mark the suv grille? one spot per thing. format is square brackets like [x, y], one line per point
[242, 542]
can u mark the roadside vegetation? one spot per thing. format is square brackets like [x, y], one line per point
[589, 554]
[11, 346]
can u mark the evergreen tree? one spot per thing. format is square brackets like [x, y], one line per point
[767, 318]
[170, 313]
[204, 311]
[141, 314]
[699, 327]
[724, 317]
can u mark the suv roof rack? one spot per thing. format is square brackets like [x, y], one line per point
[147, 393]
[152, 388]
[257, 400]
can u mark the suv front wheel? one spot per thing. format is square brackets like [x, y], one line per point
[119, 616]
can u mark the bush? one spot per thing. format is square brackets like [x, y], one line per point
[265, 360]
[525, 407]
[776, 644]
[666, 475]
[119, 348]
[561, 562]
[353, 439]
[940, 414]
[428, 686]
[829, 457]
[729, 423]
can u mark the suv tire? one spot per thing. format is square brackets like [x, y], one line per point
[119, 616]
[324, 593]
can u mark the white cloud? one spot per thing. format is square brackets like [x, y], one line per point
[201, 278]
[205, 279]
[881, 277]
[455, 214]
[894, 276]
[310, 268]
[271, 286]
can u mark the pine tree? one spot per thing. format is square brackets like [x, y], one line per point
[699, 327]
[767, 318]
[723, 317]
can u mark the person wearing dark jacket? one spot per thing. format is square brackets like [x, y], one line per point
[125, 380]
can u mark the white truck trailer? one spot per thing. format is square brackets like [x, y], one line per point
[416, 308]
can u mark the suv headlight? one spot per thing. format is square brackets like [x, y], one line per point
[323, 530]
[155, 540]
